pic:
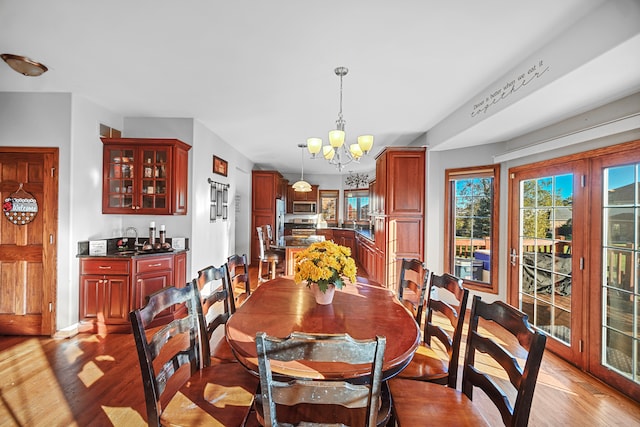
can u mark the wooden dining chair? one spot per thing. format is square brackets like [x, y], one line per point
[217, 305]
[240, 283]
[299, 400]
[495, 372]
[412, 286]
[180, 386]
[444, 319]
[267, 256]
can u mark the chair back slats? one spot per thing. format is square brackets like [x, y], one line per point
[523, 379]
[216, 301]
[413, 276]
[444, 291]
[173, 348]
[326, 349]
[239, 275]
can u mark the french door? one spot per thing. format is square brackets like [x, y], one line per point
[615, 312]
[546, 251]
[574, 258]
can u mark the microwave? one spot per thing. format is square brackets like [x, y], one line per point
[304, 207]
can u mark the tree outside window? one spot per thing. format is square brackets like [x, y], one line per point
[471, 225]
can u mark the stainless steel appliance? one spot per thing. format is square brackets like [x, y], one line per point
[304, 207]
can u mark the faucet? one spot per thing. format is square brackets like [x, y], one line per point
[355, 224]
[126, 235]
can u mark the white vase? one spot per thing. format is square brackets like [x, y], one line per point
[323, 298]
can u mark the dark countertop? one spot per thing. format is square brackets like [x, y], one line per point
[131, 254]
[298, 242]
[132, 249]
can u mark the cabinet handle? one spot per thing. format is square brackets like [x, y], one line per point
[104, 267]
[154, 265]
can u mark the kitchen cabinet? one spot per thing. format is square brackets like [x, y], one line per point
[326, 232]
[266, 187]
[105, 290]
[145, 176]
[111, 287]
[301, 196]
[398, 203]
[345, 238]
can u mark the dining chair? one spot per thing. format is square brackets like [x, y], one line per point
[304, 400]
[180, 386]
[444, 318]
[267, 256]
[217, 305]
[240, 283]
[510, 368]
[412, 286]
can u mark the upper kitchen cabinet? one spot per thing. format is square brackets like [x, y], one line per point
[145, 176]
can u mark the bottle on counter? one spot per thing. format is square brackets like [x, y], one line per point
[152, 232]
[163, 234]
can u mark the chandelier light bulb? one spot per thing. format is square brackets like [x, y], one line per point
[314, 145]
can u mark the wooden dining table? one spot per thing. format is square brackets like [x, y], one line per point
[281, 306]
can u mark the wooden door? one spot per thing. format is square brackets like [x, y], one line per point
[547, 241]
[28, 252]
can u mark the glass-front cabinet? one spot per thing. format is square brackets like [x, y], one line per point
[145, 176]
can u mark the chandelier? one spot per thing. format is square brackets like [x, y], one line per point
[302, 185]
[336, 152]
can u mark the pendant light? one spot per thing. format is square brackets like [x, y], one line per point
[302, 185]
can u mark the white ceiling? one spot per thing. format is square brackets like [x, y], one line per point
[260, 73]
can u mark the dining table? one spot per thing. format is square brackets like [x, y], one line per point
[282, 306]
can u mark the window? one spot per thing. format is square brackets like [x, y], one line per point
[329, 206]
[356, 205]
[471, 226]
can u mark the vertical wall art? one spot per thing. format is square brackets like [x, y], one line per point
[219, 198]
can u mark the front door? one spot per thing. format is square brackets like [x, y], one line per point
[28, 251]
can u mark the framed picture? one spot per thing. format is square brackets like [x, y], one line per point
[220, 166]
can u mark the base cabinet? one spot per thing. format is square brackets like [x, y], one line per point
[110, 288]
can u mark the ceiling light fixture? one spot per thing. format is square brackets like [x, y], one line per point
[336, 152]
[302, 185]
[24, 65]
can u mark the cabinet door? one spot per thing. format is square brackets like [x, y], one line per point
[91, 297]
[116, 300]
[155, 187]
[180, 181]
[180, 270]
[148, 283]
[119, 187]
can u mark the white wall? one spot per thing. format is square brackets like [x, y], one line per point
[549, 142]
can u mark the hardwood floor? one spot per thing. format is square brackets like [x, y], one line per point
[94, 380]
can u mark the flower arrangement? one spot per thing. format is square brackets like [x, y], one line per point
[325, 263]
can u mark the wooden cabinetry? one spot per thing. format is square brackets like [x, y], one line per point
[398, 194]
[145, 176]
[345, 238]
[108, 293]
[266, 187]
[105, 294]
[300, 196]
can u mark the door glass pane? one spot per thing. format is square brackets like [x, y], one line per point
[621, 266]
[545, 246]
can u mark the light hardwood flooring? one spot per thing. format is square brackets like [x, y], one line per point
[94, 380]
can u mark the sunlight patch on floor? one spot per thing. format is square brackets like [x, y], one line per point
[124, 416]
[90, 373]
